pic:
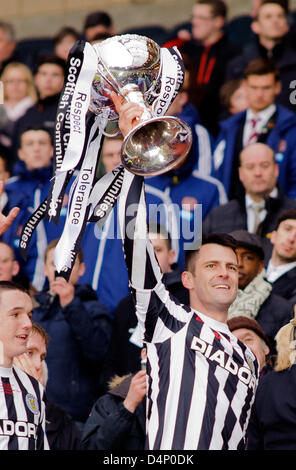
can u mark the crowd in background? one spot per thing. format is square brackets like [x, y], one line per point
[238, 97]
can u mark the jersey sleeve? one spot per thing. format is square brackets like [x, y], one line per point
[159, 315]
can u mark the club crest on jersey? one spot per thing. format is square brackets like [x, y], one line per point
[250, 361]
[32, 403]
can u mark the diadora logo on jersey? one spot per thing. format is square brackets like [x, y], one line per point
[244, 374]
[32, 403]
[18, 428]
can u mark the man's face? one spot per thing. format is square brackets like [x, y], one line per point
[8, 266]
[271, 22]
[284, 241]
[36, 149]
[238, 101]
[6, 46]
[204, 23]
[249, 265]
[254, 343]
[49, 80]
[258, 171]
[49, 268]
[111, 154]
[164, 255]
[214, 281]
[15, 320]
[36, 350]
[261, 91]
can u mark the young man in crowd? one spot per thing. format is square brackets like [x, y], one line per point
[264, 121]
[49, 81]
[22, 409]
[272, 41]
[281, 267]
[61, 431]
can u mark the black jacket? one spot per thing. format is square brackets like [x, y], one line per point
[272, 424]
[286, 285]
[61, 431]
[274, 313]
[123, 356]
[111, 426]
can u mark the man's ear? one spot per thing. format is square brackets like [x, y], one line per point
[16, 268]
[187, 279]
[273, 237]
[81, 269]
[255, 27]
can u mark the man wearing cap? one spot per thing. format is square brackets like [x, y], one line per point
[255, 298]
[249, 332]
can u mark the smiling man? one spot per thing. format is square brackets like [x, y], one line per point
[192, 356]
[22, 410]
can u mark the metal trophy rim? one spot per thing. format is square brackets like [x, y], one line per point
[170, 166]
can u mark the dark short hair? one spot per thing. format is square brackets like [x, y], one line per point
[223, 239]
[262, 66]
[282, 3]
[36, 328]
[52, 59]
[219, 8]
[98, 18]
[9, 30]
[11, 286]
[64, 32]
[36, 128]
[285, 215]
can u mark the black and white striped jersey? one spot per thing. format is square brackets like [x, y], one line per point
[22, 411]
[201, 379]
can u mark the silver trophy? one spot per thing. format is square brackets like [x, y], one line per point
[131, 66]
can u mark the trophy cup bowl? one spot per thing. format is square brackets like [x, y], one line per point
[130, 65]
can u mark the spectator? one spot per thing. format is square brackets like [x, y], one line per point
[281, 268]
[110, 155]
[20, 391]
[4, 175]
[19, 95]
[79, 328]
[124, 356]
[255, 298]
[262, 202]
[117, 420]
[8, 51]
[209, 51]
[64, 40]
[264, 122]
[98, 23]
[272, 41]
[249, 332]
[273, 419]
[233, 97]
[49, 80]
[33, 170]
[61, 431]
[27, 190]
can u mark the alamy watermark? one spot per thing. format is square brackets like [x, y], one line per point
[184, 224]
